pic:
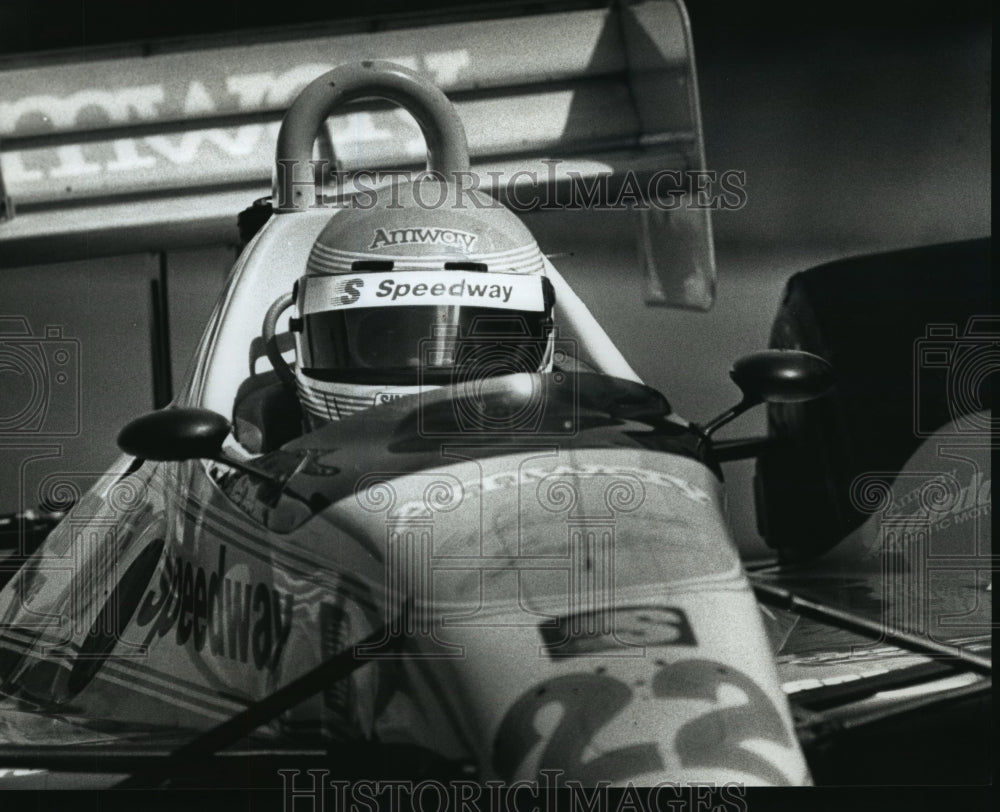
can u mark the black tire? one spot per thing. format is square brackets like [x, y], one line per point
[867, 317]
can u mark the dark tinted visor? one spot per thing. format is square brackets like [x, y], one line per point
[393, 342]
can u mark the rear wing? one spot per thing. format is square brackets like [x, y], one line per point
[593, 106]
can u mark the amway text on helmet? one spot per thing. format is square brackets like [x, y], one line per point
[382, 237]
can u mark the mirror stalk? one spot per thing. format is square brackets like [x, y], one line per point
[744, 448]
[243, 468]
[716, 423]
[772, 376]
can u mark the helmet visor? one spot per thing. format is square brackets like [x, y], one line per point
[423, 327]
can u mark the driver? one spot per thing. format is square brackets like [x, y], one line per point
[430, 286]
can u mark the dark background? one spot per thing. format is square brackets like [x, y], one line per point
[27, 25]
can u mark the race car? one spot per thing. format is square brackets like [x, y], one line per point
[414, 515]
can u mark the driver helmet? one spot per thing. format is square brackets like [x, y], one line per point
[430, 286]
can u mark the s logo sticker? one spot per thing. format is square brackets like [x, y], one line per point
[347, 291]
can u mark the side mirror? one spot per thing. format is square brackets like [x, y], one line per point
[775, 376]
[782, 376]
[175, 434]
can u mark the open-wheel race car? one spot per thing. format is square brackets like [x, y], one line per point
[414, 516]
